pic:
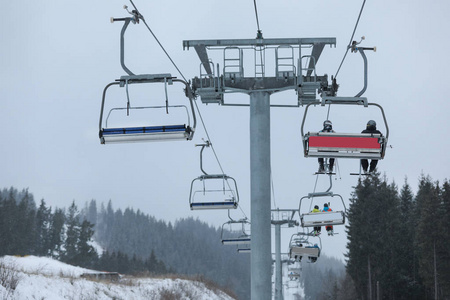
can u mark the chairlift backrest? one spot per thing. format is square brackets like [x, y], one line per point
[344, 145]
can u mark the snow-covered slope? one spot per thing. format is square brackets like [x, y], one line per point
[45, 278]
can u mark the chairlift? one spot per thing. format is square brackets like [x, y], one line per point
[244, 250]
[345, 145]
[213, 191]
[293, 275]
[147, 131]
[329, 218]
[300, 246]
[294, 271]
[238, 233]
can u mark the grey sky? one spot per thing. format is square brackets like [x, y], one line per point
[56, 58]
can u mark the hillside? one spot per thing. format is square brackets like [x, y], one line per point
[33, 277]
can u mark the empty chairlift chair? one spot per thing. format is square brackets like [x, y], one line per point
[213, 191]
[237, 233]
[148, 131]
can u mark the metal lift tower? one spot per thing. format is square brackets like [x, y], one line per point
[289, 74]
[286, 218]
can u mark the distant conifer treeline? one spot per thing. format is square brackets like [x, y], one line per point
[64, 235]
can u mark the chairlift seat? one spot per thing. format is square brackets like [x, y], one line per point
[237, 241]
[345, 145]
[323, 218]
[214, 205]
[146, 133]
[304, 251]
[244, 250]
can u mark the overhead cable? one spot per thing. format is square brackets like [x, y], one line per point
[256, 14]
[351, 39]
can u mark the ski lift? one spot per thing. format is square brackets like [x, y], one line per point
[213, 191]
[147, 131]
[300, 246]
[294, 275]
[244, 250]
[346, 145]
[238, 233]
[294, 271]
[328, 218]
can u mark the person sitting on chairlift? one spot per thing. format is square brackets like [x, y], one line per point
[298, 258]
[329, 228]
[371, 127]
[317, 229]
[312, 258]
[327, 127]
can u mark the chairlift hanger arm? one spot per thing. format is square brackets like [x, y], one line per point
[122, 41]
[136, 16]
[354, 48]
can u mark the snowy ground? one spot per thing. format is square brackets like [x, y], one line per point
[45, 278]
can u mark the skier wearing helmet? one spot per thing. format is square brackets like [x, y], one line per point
[327, 127]
[370, 128]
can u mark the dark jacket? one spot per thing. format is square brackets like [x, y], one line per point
[371, 131]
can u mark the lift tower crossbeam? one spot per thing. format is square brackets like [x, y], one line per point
[211, 88]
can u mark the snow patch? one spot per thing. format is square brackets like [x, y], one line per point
[46, 278]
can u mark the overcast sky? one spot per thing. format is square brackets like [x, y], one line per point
[56, 58]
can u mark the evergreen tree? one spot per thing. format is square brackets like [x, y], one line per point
[445, 260]
[408, 255]
[86, 254]
[9, 220]
[72, 235]
[3, 225]
[43, 237]
[429, 231]
[25, 224]
[91, 215]
[360, 225]
[57, 233]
